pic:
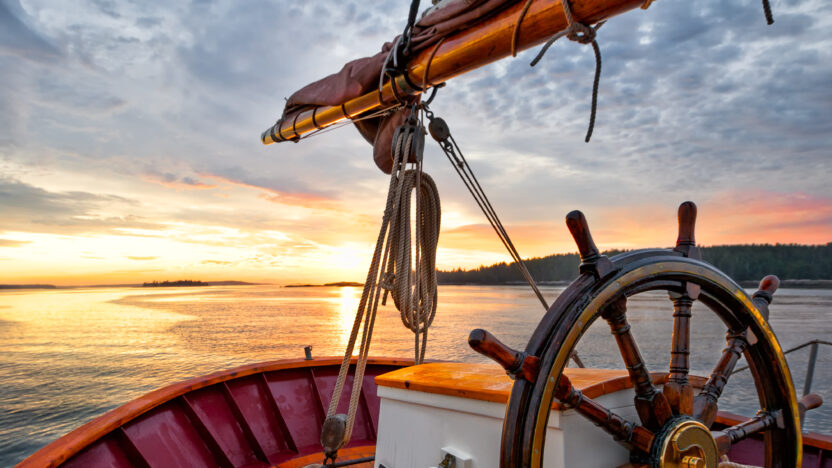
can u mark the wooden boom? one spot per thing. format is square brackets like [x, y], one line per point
[459, 53]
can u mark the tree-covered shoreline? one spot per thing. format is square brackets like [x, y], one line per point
[743, 263]
[171, 284]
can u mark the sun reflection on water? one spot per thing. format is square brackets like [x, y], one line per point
[347, 306]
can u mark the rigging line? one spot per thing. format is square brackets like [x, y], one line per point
[482, 201]
[441, 133]
[408, 29]
[491, 213]
[337, 429]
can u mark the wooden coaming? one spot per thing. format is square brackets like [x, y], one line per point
[489, 382]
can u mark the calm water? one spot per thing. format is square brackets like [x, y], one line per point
[67, 356]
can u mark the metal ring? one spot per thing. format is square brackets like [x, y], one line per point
[315, 123]
[394, 87]
[430, 61]
[280, 130]
[294, 129]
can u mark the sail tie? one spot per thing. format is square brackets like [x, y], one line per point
[582, 34]
[767, 12]
[415, 294]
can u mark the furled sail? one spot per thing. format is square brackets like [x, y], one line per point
[361, 76]
[451, 38]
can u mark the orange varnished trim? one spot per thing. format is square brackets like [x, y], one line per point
[810, 439]
[344, 454]
[62, 449]
[489, 382]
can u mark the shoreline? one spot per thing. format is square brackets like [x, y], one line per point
[749, 284]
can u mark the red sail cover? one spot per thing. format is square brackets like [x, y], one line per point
[361, 76]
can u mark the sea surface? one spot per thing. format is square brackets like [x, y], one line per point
[67, 356]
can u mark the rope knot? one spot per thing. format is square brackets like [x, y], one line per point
[388, 281]
[583, 34]
[580, 33]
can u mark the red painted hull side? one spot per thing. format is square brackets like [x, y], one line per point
[258, 415]
[264, 415]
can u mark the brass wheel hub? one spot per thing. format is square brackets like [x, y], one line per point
[686, 444]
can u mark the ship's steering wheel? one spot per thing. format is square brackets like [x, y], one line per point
[674, 424]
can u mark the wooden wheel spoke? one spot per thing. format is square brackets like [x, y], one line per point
[677, 390]
[705, 404]
[763, 421]
[627, 433]
[651, 405]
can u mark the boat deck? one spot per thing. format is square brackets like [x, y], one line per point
[489, 382]
[270, 414]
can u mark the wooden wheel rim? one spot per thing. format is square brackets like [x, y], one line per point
[528, 411]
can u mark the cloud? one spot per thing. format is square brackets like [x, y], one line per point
[18, 39]
[273, 194]
[177, 182]
[141, 258]
[12, 243]
[216, 262]
[698, 100]
[29, 208]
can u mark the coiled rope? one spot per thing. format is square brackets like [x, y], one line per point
[414, 294]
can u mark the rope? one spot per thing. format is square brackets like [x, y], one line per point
[430, 61]
[408, 29]
[440, 132]
[516, 32]
[418, 305]
[415, 297]
[724, 462]
[767, 12]
[582, 34]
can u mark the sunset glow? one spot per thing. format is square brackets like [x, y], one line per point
[129, 147]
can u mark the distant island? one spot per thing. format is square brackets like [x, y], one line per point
[186, 283]
[170, 284]
[152, 284]
[340, 284]
[802, 266]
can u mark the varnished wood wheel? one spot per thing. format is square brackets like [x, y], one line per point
[673, 425]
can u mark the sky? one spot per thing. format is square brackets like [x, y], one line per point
[130, 151]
